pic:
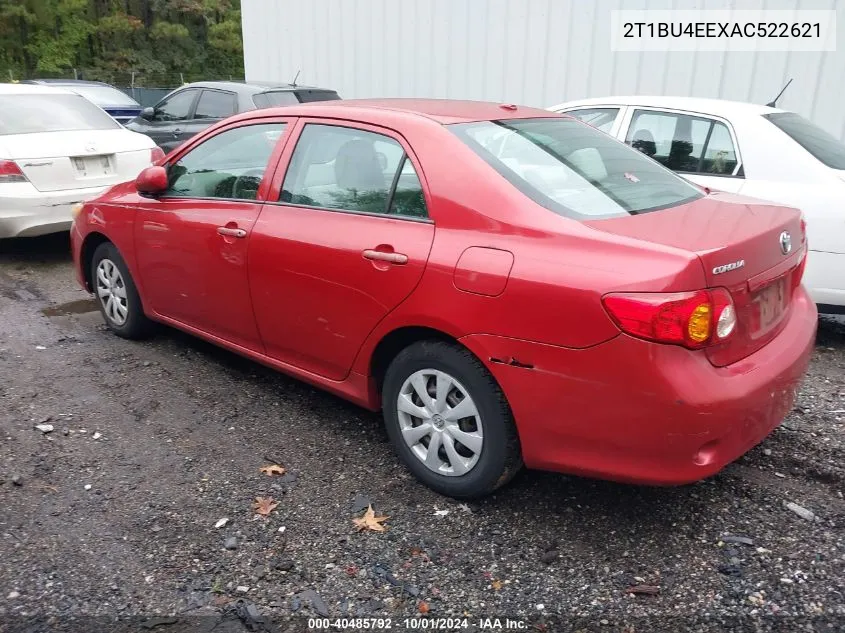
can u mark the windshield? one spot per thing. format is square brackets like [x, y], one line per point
[573, 169]
[28, 113]
[103, 95]
[824, 146]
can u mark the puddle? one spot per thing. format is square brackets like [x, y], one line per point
[80, 306]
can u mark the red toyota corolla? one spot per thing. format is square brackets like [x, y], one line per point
[509, 286]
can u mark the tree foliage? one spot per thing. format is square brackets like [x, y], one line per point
[156, 41]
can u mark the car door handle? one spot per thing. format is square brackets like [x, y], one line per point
[393, 258]
[230, 232]
[177, 132]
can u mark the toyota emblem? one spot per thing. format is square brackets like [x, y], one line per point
[785, 242]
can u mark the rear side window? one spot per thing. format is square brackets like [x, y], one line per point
[600, 118]
[215, 104]
[574, 169]
[825, 147]
[684, 143]
[29, 113]
[344, 168]
[274, 99]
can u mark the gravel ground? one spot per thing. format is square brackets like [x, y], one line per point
[113, 514]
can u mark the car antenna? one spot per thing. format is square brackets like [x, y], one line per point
[773, 103]
[295, 78]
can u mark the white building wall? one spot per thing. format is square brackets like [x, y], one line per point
[532, 52]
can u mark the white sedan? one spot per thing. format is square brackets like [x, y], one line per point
[58, 149]
[744, 148]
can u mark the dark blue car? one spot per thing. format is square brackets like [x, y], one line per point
[118, 104]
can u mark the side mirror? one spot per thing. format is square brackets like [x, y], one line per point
[148, 113]
[151, 181]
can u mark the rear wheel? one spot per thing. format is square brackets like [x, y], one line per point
[116, 294]
[449, 420]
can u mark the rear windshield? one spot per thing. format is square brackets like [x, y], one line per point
[574, 169]
[103, 95]
[28, 113]
[307, 96]
[824, 146]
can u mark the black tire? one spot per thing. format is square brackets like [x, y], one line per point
[136, 325]
[500, 457]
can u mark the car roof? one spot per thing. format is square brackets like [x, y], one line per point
[67, 82]
[28, 89]
[718, 107]
[443, 111]
[249, 87]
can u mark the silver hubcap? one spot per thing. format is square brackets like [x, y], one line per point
[112, 292]
[440, 423]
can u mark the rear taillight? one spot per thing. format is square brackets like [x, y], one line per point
[156, 154]
[10, 172]
[693, 319]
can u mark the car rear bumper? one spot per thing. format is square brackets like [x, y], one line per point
[27, 212]
[640, 412]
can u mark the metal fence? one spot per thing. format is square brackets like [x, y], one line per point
[146, 96]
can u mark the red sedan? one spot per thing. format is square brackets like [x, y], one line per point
[509, 286]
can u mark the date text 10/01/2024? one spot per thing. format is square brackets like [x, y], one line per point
[419, 624]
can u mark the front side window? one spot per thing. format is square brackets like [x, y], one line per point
[573, 169]
[229, 165]
[354, 170]
[29, 113]
[176, 107]
[683, 143]
[600, 118]
[215, 104]
[825, 147]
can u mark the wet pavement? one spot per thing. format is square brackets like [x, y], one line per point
[113, 512]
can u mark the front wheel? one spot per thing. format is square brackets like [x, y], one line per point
[116, 293]
[449, 420]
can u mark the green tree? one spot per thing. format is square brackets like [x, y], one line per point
[112, 39]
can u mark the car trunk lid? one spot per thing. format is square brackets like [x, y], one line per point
[56, 161]
[752, 248]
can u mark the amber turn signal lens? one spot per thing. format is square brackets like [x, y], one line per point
[698, 327]
[75, 210]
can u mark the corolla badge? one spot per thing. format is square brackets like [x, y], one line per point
[785, 242]
[728, 267]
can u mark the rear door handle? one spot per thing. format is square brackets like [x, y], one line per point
[393, 258]
[230, 232]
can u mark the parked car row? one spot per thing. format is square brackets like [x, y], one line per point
[674, 328]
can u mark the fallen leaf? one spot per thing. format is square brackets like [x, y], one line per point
[423, 606]
[264, 505]
[272, 469]
[497, 585]
[370, 521]
[643, 590]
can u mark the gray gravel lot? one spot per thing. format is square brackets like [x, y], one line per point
[113, 513]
